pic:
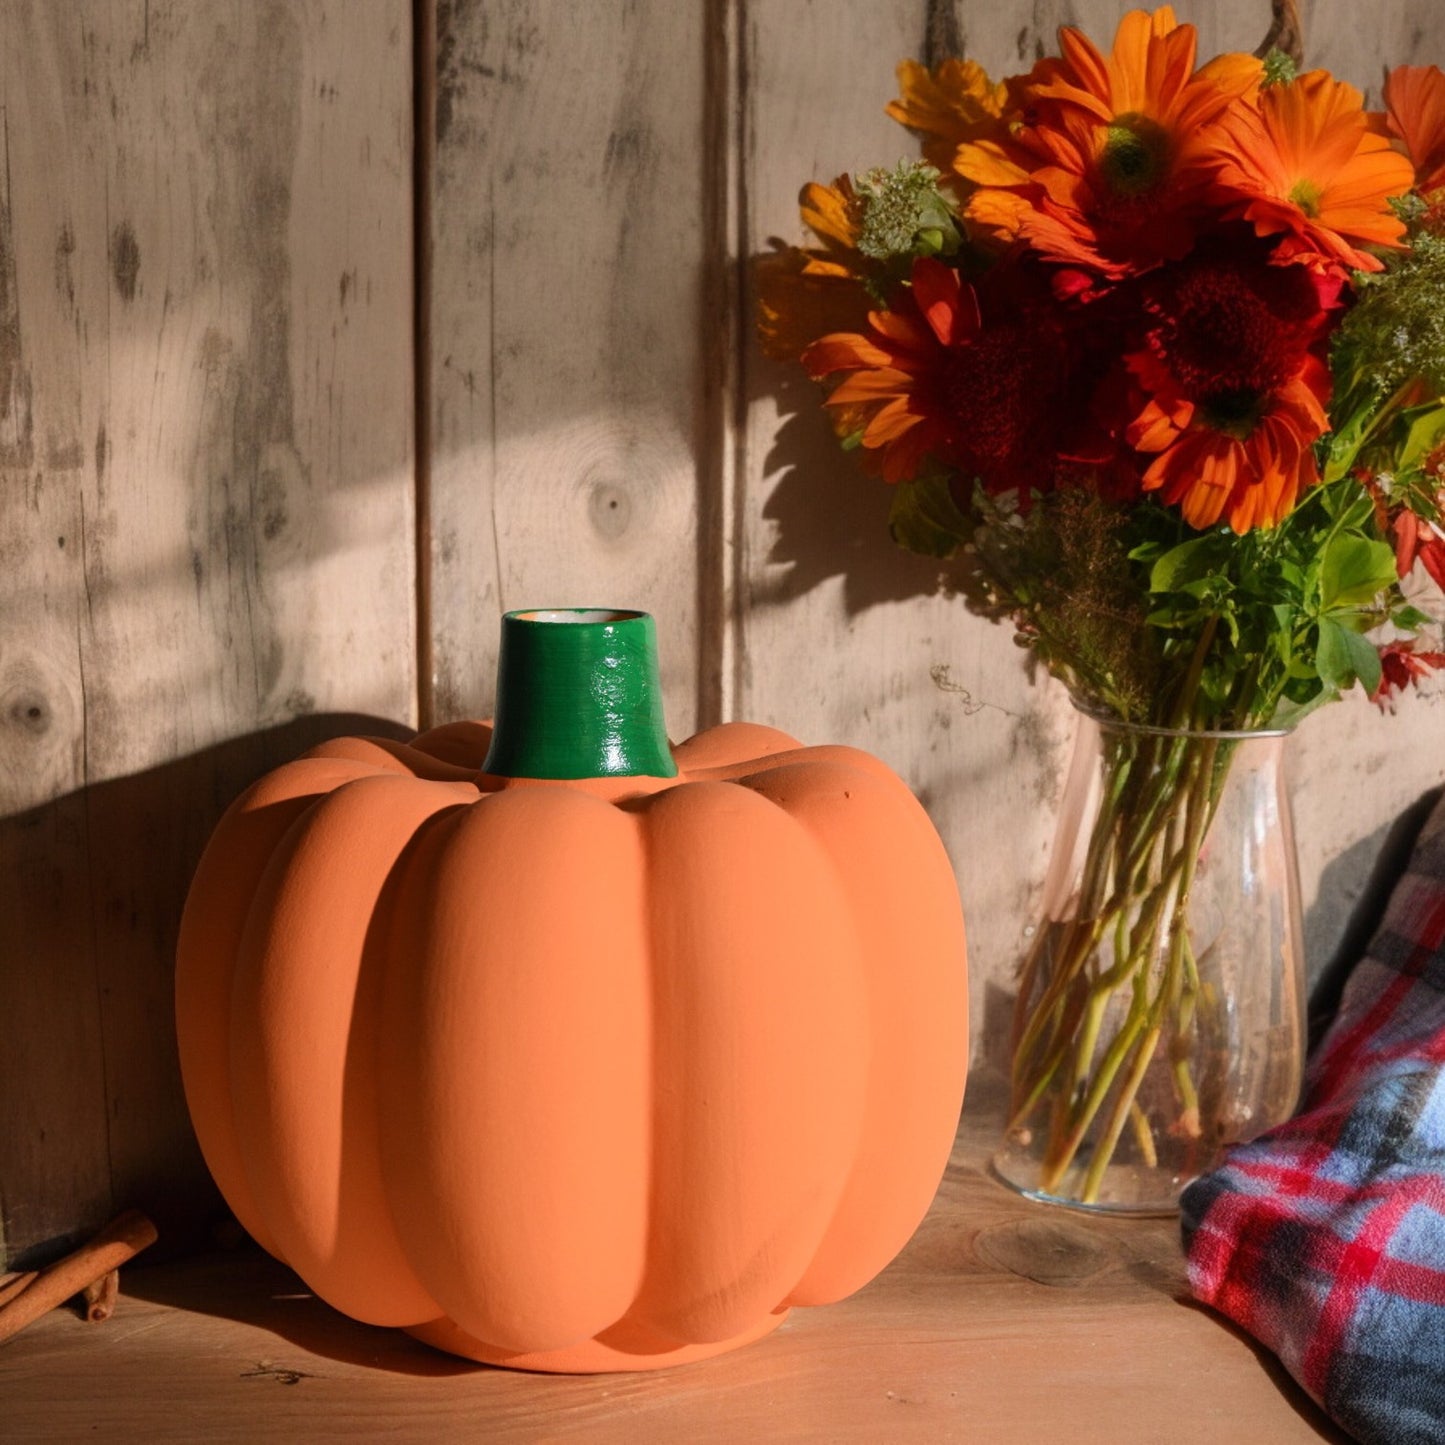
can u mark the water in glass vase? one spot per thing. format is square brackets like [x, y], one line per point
[1161, 1008]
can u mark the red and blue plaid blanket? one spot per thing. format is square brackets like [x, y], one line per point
[1325, 1238]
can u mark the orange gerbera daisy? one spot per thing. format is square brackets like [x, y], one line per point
[1110, 167]
[1415, 105]
[937, 379]
[953, 103]
[1309, 165]
[804, 294]
[1235, 390]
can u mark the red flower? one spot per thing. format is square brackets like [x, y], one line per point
[1401, 665]
[1232, 389]
[980, 381]
[1418, 540]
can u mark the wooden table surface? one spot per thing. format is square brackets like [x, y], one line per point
[1001, 1322]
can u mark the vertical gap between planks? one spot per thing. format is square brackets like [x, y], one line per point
[424, 79]
[736, 566]
[722, 407]
[943, 36]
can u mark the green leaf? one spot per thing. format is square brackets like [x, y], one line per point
[1283, 633]
[1345, 657]
[1187, 563]
[1201, 589]
[1343, 444]
[1301, 703]
[1354, 571]
[1410, 619]
[924, 518]
[1422, 438]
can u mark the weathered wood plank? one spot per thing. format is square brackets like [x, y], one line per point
[838, 637]
[205, 434]
[567, 326]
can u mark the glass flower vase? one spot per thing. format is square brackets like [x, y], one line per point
[1161, 1006]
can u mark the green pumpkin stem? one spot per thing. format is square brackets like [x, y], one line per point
[579, 696]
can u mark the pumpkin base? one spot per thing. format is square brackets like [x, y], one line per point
[624, 1347]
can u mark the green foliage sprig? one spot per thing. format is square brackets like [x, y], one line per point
[1147, 619]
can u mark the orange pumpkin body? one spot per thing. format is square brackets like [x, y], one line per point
[580, 1075]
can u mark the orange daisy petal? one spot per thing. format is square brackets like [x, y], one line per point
[998, 215]
[1415, 107]
[1211, 475]
[1316, 122]
[843, 351]
[986, 163]
[890, 422]
[906, 332]
[832, 212]
[1155, 427]
[1236, 74]
[885, 381]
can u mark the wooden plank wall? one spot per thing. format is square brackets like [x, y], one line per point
[568, 336]
[208, 485]
[206, 502]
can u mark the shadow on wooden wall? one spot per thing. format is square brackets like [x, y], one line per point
[91, 890]
[831, 519]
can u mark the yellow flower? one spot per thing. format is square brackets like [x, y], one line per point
[948, 106]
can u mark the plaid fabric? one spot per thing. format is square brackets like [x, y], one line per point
[1325, 1238]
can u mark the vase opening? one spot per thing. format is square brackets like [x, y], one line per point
[576, 615]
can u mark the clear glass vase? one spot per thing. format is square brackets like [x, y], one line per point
[1161, 1008]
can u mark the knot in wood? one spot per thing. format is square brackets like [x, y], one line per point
[1048, 1251]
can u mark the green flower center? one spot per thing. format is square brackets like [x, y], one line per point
[1306, 195]
[1136, 155]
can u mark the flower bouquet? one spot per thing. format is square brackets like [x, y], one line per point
[1156, 351]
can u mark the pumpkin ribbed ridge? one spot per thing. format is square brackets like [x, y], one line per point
[761, 1056]
[516, 1055]
[305, 1011]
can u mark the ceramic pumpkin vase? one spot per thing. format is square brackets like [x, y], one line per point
[566, 1050]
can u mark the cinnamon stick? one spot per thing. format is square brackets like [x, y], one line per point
[119, 1241]
[13, 1284]
[101, 1296]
